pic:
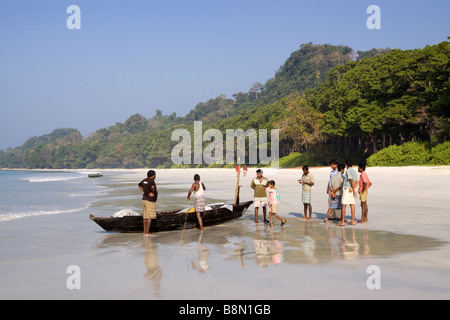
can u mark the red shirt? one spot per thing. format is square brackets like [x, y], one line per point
[363, 178]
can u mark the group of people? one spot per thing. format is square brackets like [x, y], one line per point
[150, 196]
[342, 189]
[262, 188]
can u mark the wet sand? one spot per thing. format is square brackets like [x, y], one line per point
[407, 238]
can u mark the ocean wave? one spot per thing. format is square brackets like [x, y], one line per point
[8, 216]
[53, 178]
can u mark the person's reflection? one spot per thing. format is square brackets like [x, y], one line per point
[263, 251]
[203, 255]
[154, 272]
[336, 241]
[308, 245]
[268, 247]
[277, 247]
[350, 248]
[366, 248]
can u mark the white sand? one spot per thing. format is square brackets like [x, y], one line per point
[227, 262]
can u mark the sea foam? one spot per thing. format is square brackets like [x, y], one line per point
[54, 178]
[8, 216]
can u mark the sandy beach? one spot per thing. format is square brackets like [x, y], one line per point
[406, 237]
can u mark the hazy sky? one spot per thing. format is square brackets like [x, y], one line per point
[138, 56]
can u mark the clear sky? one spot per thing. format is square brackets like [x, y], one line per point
[138, 56]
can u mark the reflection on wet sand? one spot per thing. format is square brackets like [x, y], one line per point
[245, 244]
[154, 272]
[203, 255]
[268, 247]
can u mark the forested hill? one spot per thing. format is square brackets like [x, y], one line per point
[328, 102]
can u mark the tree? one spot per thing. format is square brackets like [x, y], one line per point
[136, 123]
[254, 90]
[301, 126]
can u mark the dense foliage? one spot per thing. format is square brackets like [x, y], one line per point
[327, 101]
[412, 153]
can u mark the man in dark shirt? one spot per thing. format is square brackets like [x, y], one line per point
[149, 198]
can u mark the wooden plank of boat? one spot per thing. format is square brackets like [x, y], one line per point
[173, 219]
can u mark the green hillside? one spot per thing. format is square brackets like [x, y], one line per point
[327, 101]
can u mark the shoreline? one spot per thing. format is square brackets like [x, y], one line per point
[278, 168]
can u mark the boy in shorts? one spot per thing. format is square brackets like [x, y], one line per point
[364, 185]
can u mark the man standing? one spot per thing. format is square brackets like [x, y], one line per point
[334, 170]
[349, 193]
[149, 198]
[336, 185]
[198, 188]
[259, 184]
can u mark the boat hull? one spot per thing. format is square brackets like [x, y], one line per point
[172, 220]
[95, 175]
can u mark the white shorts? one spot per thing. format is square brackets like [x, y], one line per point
[348, 197]
[260, 202]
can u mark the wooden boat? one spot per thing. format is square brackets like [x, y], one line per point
[173, 219]
[177, 219]
[95, 175]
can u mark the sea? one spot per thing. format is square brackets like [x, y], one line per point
[26, 194]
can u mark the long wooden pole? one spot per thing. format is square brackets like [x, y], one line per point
[236, 195]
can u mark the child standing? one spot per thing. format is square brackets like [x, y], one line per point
[364, 185]
[273, 203]
[307, 181]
